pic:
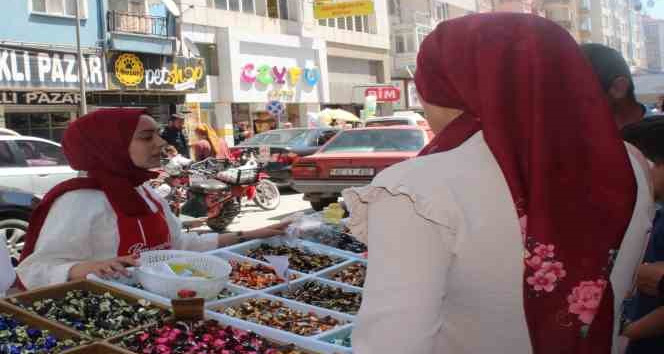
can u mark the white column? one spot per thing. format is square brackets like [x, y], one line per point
[223, 120]
[307, 108]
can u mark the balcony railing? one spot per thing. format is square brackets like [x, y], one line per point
[138, 24]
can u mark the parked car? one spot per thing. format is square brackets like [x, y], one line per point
[5, 131]
[352, 158]
[399, 118]
[32, 164]
[15, 209]
[286, 146]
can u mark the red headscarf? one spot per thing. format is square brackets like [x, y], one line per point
[523, 81]
[98, 143]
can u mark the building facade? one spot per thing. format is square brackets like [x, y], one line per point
[144, 61]
[39, 64]
[654, 34]
[412, 21]
[266, 51]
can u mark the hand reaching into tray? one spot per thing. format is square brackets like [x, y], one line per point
[110, 268]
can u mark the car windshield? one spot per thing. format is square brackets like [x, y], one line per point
[379, 140]
[276, 137]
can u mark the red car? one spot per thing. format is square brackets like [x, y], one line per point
[352, 158]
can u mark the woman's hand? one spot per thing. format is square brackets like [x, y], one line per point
[110, 268]
[268, 231]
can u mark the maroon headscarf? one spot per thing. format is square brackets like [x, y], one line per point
[523, 81]
[98, 143]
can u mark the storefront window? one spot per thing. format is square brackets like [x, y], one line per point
[234, 5]
[49, 126]
[272, 9]
[341, 23]
[221, 4]
[358, 23]
[283, 9]
[209, 53]
[248, 6]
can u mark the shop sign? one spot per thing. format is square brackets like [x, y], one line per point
[39, 98]
[282, 80]
[41, 69]
[384, 93]
[327, 9]
[134, 71]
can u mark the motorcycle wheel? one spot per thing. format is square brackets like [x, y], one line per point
[229, 211]
[267, 196]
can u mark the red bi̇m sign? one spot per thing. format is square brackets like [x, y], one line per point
[384, 93]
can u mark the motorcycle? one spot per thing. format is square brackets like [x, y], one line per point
[194, 191]
[263, 192]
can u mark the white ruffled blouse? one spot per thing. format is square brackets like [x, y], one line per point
[82, 226]
[442, 280]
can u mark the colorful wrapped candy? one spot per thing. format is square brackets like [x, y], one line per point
[96, 315]
[275, 314]
[18, 338]
[201, 337]
[254, 276]
[300, 260]
[325, 296]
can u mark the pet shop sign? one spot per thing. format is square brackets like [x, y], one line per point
[281, 79]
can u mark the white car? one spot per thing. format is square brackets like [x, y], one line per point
[32, 164]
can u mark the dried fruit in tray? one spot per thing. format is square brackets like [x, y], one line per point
[96, 315]
[201, 337]
[17, 337]
[325, 296]
[254, 276]
[353, 275]
[275, 314]
[299, 259]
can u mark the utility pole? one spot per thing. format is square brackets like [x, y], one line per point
[81, 77]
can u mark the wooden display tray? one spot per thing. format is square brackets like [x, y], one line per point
[59, 291]
[56, 329]
[98, 348]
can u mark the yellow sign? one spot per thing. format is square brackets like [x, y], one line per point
[326, 9]
[129, 69]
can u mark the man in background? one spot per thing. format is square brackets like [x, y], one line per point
[616, 79]
[174, 134]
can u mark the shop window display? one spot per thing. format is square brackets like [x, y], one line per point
[49, 126]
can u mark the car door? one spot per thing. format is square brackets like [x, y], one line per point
[12, 168]
[45, 163]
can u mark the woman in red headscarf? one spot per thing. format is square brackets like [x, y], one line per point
[99, 223]
[520, 229]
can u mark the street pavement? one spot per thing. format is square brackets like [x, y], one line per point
[252, 217]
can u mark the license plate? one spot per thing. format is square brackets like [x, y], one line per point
[352, 172]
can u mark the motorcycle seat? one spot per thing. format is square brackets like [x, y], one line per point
[209, 185]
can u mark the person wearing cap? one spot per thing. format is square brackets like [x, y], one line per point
[616, 79]
[174, 135]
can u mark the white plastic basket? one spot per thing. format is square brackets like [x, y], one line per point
[169, 285]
